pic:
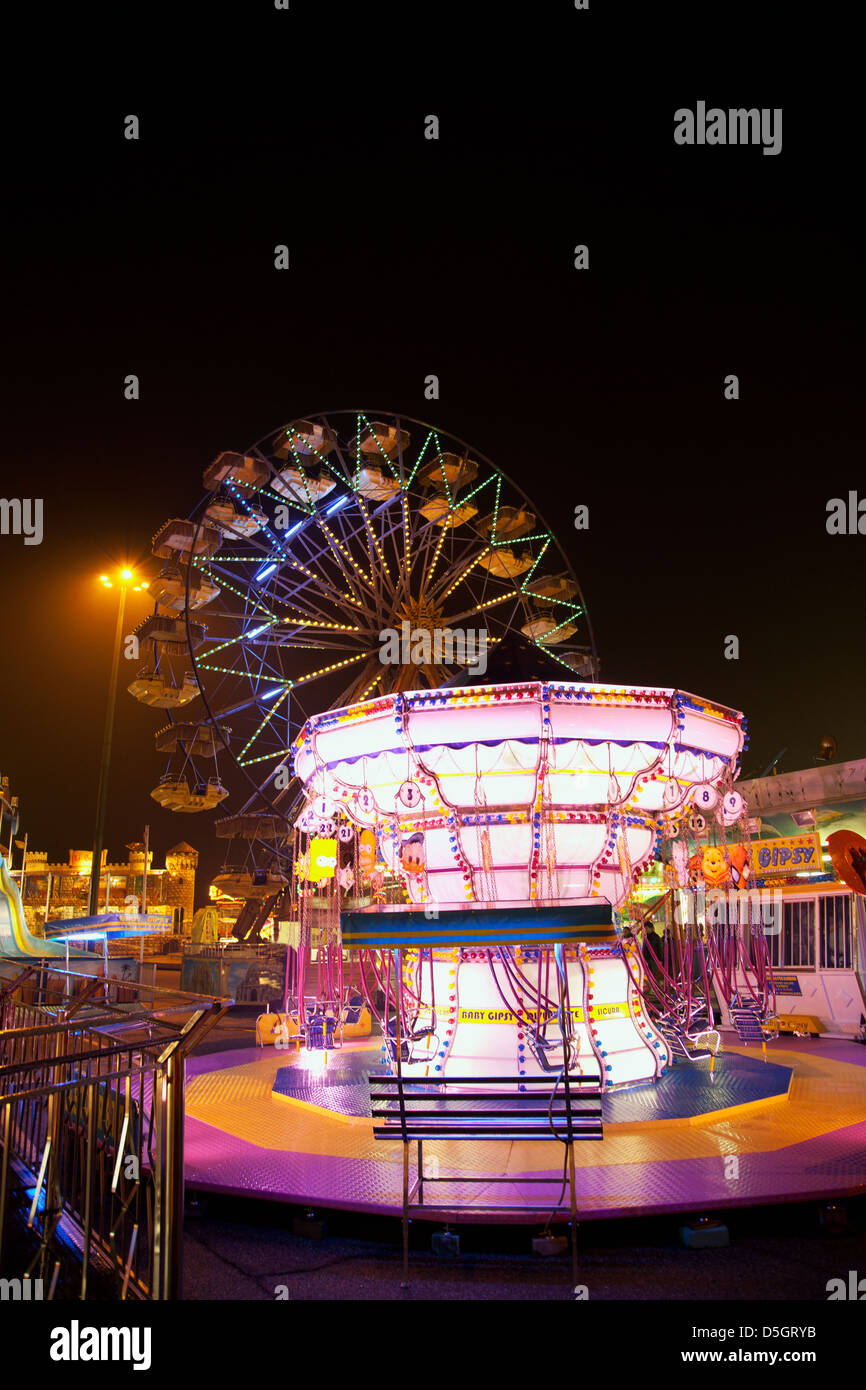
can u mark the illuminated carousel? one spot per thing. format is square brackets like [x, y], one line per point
[517, 819]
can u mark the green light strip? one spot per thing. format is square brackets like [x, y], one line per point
[430, 435]
[541, 536]
[537, 563]
[267, 719]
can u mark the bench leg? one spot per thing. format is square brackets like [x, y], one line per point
[573, 1214]
[405, 1283]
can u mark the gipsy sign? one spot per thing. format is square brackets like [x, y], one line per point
[787, 854]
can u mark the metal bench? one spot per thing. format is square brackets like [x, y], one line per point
[564, 1109]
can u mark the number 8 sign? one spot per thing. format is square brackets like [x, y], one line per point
[705, 797]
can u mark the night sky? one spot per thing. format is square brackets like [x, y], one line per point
[455, 257]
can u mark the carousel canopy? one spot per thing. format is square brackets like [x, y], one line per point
[526, 792]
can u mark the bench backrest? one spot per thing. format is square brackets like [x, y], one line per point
[747, 1022]
[464, 1107]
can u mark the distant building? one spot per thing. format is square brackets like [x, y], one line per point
[53, 892]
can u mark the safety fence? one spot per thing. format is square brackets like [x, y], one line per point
[91, 1131]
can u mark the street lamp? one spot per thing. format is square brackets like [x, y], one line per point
[124, 582]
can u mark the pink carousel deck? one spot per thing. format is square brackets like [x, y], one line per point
[804, 1140]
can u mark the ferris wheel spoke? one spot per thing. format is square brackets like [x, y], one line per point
[301, 595]
[457, 575]
[329, 669]
[344, 558]
[480, 607]
[328, 567]
[376, 549]
[336, 596]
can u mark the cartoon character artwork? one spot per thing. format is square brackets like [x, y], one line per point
[322, 858]
[738, 858]
[715, 867]
[413, 854]
[710, 865]
[367, 853]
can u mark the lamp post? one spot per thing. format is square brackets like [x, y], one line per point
[124, 580]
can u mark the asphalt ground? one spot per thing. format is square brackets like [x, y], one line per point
[244, 1249]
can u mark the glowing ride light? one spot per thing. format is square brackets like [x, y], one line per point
[539, 804]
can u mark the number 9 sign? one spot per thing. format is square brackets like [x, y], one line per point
[732, 807]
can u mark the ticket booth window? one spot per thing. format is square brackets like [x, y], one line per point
[835, 935]
[794, 946]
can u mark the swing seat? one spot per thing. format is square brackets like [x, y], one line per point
[268, 1024]
[357, 1021]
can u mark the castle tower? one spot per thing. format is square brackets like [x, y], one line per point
[181, 862]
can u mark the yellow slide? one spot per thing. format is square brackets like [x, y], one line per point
[15, 937]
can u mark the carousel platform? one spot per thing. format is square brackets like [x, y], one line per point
[793, 1128]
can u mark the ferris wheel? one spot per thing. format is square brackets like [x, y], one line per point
[343, 556]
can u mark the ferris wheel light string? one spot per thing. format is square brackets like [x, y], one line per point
[378, 445]
[250, 762]
[241, 637]
[340, 546]
[268, 717]
[444, 474]
[470, 566]
[420, 458]
[439, 544]
[366, 692]
[551, 630]
[299, 621]
[461, 502]
[279, 498]
[224, 584]
[467, 497]
[295, 564]
[546, 598]
[372, 534]
[489, 603]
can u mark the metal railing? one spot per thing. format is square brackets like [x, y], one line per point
[91, 1129]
